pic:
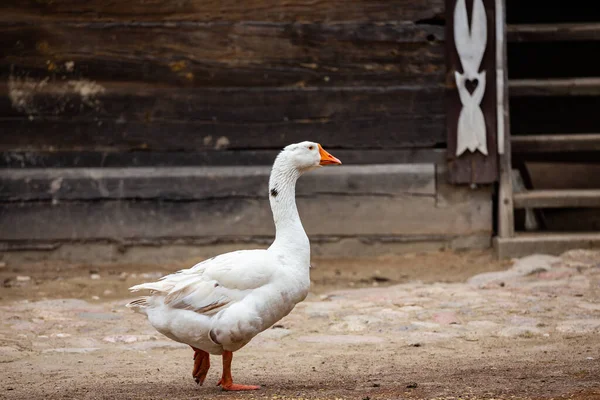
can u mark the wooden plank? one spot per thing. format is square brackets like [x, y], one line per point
[506, 212]
[196, 183]
[554, 87]
[525, 244]
[559, 32]
[471, 167]
[96, 159]
[557, 198]
[327, 215]
[128, 117]
[222, 10]
[556, 143]
[227, 54]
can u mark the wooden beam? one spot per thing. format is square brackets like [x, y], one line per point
[506, 217]
[122, 117]
[220, 10]
[211, 219]
[111, 159]
[580, 198]
[559, 32]
[524, 244]
[556, 143]
[197, 183]
[225, 54]
[554, 87]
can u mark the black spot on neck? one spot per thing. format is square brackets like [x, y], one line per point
[274, 192]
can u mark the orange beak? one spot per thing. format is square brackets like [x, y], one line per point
[326, 158]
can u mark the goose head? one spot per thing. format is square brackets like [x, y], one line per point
[306, 156]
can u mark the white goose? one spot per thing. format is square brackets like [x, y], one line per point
[220, 304]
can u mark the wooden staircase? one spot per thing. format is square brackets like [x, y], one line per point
[553, 117]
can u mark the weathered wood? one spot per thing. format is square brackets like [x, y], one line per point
[553, 32]
[222, 10]
[525, 244]
[96, 159]
[126, 117]
[227, 54]
[555, 87]
[471, 168]
[501, 74]
[196, 183]
[329, 215]
[556, 143]
[506, 212]
[579, 198]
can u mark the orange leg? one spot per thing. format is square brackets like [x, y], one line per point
[201, 365]
[226, 381]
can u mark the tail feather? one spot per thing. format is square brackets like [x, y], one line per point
[155, 286]
[139, 305]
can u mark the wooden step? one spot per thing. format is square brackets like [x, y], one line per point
[584, 142]
[580, 198]
[553, 32]
[554, 87]
[202, 183]
[554, 243]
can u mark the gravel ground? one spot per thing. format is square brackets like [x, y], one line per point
[437, 325]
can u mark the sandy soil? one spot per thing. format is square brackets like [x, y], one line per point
[400, 327]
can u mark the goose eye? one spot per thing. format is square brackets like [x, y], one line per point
[311, 147]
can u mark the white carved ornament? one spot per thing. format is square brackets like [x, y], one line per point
[470, 44]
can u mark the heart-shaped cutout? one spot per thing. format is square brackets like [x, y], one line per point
[471, 85]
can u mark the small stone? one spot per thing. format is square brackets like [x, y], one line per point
[107, 292]
[525, 332]
[412, 385]
[94, 276]
[446, 318]
[61, 335]
[123, 276]
[95, 298]
[121, 339]
[22, 278]
[2, 264]
[579, 326]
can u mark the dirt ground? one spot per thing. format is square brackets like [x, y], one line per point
[417, 326]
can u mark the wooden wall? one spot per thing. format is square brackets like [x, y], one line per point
[85, 81]
[186, 91]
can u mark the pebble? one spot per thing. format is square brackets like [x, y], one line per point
[9, 354]
[94, 276]
[22, 278]
[121, 339]
[579, 326]
[519, 331]
[446, 318]
[2, 264]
